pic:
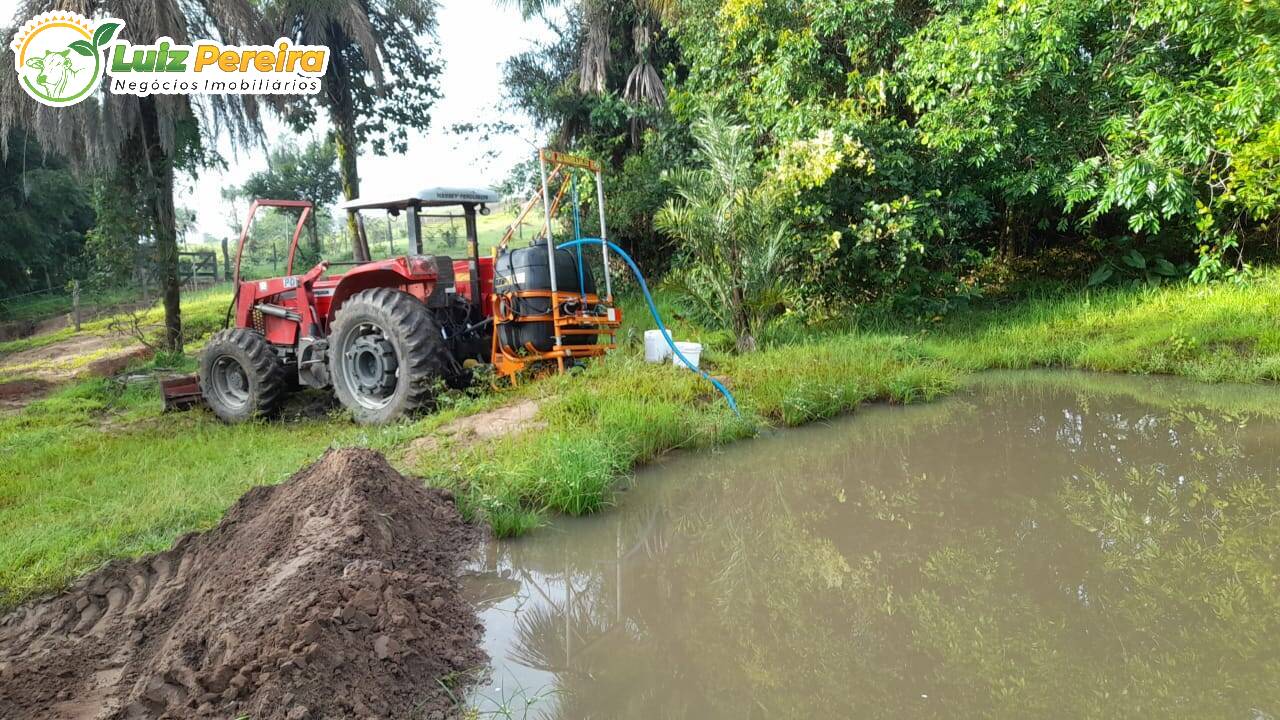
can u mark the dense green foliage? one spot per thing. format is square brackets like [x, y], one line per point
[294, 173]
[381, 81]
[39, 197]
[596, 89]
[728, 223]
[1159, 118]
[921, 143]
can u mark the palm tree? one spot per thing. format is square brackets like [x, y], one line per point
[732, 234]
[143, 141]
[359, 98]
[643, 85]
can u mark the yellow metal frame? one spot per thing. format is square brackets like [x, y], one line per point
[508, 361]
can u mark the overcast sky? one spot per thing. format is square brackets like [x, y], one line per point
[475, 37]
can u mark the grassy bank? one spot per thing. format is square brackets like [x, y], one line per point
[623, 412]
[203, 311]
[1220, 333]
[95, 472]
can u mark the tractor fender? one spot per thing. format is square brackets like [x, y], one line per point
[415, 275]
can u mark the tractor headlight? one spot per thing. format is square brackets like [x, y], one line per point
[421, 265]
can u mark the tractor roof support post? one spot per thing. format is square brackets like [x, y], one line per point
[297, 233]
[363, 237]
[415, 231]
[391, 246]
[244, 237]
[473, 243]
[604, 237]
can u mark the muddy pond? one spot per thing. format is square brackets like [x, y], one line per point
[1038, 545]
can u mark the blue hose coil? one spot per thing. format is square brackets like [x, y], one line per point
[653, 309]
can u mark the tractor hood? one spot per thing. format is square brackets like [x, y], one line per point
[429, 197]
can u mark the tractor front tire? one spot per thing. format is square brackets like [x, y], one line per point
[241, 376]
[387, 356]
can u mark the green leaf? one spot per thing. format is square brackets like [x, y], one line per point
[82, 47]
[1165, 268]
[1135, 260]
[1101, 275]
[104, 33]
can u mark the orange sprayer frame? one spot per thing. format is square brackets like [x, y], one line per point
[594, 316]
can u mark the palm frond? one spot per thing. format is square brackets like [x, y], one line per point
[530, 8]
[644, 86]
[93, 133]
[593, 69]
[732, 237]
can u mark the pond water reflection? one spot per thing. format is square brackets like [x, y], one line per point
[1044, 544]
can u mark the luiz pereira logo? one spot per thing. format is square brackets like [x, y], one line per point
[61, 58]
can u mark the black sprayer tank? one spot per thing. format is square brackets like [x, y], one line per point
[528, 269]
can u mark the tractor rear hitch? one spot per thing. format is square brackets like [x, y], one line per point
[181, 393]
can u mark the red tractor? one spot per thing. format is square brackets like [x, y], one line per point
[386, 335]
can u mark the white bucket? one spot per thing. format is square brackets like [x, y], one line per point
[692, 351]
[656, 348]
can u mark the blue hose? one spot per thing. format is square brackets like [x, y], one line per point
[653, 309]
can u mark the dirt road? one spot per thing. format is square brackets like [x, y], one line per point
[31, 374]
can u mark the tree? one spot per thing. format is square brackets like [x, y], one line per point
[726, 219]
[185, 222]
[365, 102]
[298, 174]
[876, 216]
[613, 48]
[1160, 116]
[992, 130]
[39, 198]
[144, 141]
[606, 101]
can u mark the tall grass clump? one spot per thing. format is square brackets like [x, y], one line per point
[1212, 333]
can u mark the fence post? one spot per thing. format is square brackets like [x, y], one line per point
[75, 302]
[226, 262]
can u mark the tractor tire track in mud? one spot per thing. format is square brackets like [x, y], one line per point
[332, 595]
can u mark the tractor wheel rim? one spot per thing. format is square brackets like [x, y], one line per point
[230, 382]
[371, 367]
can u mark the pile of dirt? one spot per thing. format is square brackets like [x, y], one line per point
[333, 595]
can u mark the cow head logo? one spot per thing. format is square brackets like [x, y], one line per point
[59, 56]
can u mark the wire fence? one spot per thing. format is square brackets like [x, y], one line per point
[40, 305]
[35, 304]
[11, 298]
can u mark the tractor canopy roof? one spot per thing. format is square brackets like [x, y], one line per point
[428, 197]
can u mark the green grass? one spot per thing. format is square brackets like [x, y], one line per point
[1216, 333]
[202, 312]
[96, 473]
[621, 412]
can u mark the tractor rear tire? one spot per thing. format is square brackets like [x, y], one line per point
[241, 376]
[387, 356]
